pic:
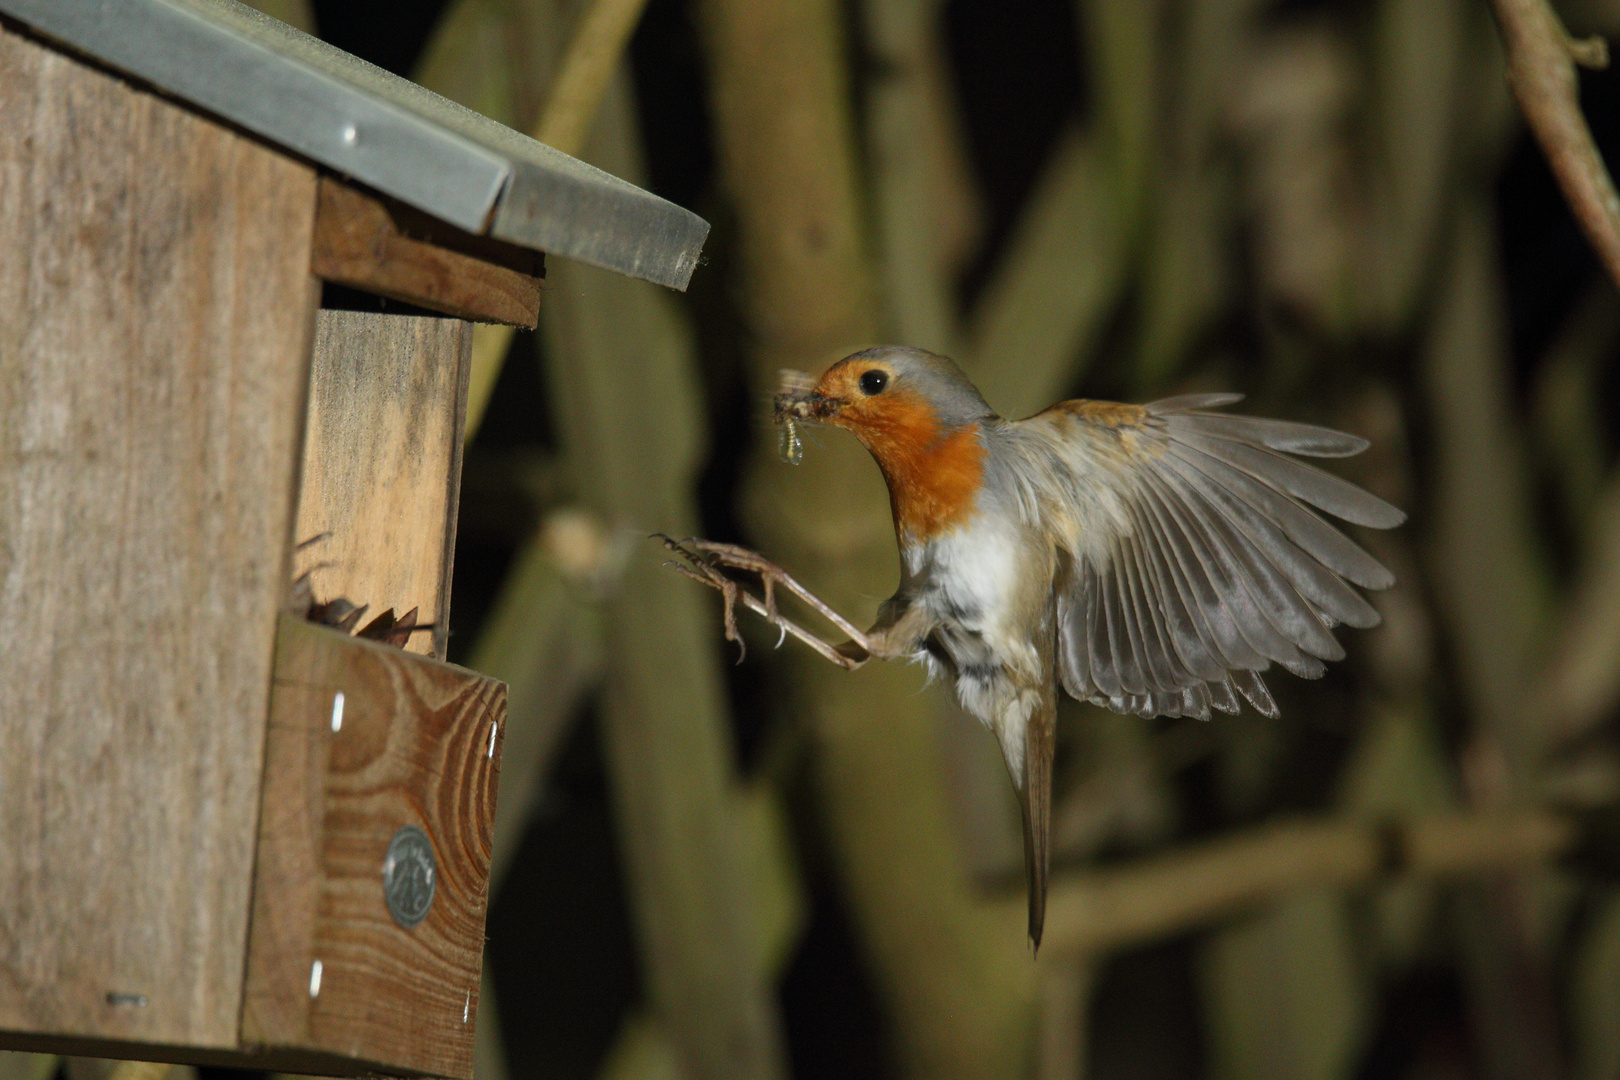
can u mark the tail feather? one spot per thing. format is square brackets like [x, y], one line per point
[1035, 793]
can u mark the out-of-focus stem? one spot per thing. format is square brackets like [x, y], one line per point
[461, 59]
[632, 426]
[1105, 910]
[599, 40]
[956, 982]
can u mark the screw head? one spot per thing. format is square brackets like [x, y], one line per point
[409, 875]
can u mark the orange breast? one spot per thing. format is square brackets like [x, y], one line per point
[933, 480]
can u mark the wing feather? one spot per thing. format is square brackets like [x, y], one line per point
[1231, 648]
[1322, 490]
[1326, 591]
[1240, 611]
[1125, 648]
[1284, 435]
[1288, 612]
[1100, 642]
[1183, 616]
[1164, 671]
[1194, 561]
[1258, 614]
[1153, 614]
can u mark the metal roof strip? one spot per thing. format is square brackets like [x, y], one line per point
[375, 127]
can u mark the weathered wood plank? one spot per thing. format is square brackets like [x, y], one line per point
[384, 247]
[156, 309]
[418, 743]
[382, 462]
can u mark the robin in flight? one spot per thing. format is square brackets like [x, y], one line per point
[1153, 559]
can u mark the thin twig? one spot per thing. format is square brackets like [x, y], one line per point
[1541, 66]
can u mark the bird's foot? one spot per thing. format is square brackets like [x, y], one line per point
[706, 561]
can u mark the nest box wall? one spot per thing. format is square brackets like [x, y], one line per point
[179, 413]
[231, 835]
[156, 314]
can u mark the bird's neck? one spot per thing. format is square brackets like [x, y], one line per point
[933, 474]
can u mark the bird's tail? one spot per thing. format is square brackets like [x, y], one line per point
[1035, 793]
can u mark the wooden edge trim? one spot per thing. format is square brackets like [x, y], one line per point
[378, 245]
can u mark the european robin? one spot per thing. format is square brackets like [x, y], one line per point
[1153, 559]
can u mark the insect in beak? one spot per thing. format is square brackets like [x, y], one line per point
[797, 402]
[791, 446]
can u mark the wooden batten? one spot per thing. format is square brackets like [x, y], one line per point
[413, 743]
[379, 245]
[382, 463]
[156, 312]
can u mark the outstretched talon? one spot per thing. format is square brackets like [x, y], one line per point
[703, 562]
[730, 591]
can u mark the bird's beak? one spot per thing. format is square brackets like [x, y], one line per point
[812, 405]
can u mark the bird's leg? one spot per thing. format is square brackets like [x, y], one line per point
[703, 562]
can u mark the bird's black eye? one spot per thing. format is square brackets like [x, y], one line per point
[873, 382]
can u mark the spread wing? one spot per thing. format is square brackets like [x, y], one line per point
[1194, 559]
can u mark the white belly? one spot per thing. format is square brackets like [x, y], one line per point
[977, 576]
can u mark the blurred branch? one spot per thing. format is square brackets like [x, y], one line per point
[1420, 55]
[1112, 909]
[1070, 256]
[1513, 1009]
[1565, 398]
[489, 1044]
[1582, 679]
[545, 642]
[477, 48]
[18, 1066]
[642, 1050]
[299, 14]
[1185, 277]
[599, 40]
[83, 1068]
[1064, 269]
[490, 344]
[1486, 558]
[1066, 984]
[1285, 994]
[957, 988]
[1595, 997]
[622, 373]
[1541, 63]
[927, 215]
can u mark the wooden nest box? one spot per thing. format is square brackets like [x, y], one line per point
[229, 834]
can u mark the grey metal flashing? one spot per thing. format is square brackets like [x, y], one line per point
[379, 129]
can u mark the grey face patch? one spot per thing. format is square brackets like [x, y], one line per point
[936, 378]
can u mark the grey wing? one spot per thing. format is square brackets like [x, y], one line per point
[1203, 563]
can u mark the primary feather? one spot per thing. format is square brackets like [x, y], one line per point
[1192, 558]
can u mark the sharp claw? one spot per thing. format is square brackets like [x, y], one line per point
[729, 592]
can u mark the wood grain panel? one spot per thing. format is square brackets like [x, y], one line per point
[156, 312]
[382, 462]
[378, 244]
[419, 744]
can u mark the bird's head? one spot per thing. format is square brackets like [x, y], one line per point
[919, 416]
[895, 400]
